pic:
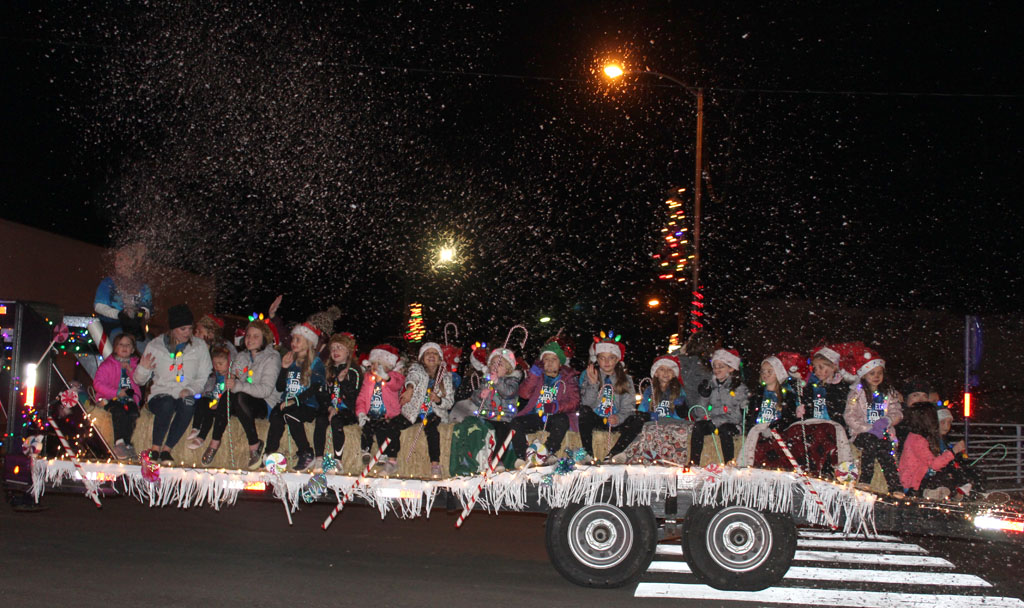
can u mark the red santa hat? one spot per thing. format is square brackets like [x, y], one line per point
[307, 331]
[728, 356]
[848, 362]
[611, 344]
[795, 364]
[777, 367]
[434, 346]
[868, 360]
[504, 353]
[478, 360]
[384, 354]
[830, 355]
[668, 361]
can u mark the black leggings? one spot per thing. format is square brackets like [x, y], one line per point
[344, 417]
[871, 449]
[628, 429]
[205, 418]
[705, 427]
[247, 409]
[557, 426]
[123, 414]
[383, 429]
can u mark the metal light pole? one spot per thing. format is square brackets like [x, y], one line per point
[615, 71]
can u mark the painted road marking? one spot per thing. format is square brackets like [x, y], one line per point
[827, 597]
[854, 575]
[846, 558]
[865, 545]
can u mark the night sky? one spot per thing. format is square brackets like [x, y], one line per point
[857, 154]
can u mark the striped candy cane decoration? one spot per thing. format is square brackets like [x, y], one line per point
[490, 470]
[90, 490]
[803, 477]
[348, 495]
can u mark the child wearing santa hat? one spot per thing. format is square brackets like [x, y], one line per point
[378, 404]
[300, 380]
[496, 400]
[872, 412]
[773, 407]
[608, 399]
[665, 399]
[428, 397]
[724, 399]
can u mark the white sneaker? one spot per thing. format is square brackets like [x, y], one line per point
[194, 443]
[317, 465]
[435, 471]
[550, 460]
[936, 494]
[193, 434]
[619, 458]
[120, 451]
[499, 468]
[520, 464]
[390, 468]
[587, 460]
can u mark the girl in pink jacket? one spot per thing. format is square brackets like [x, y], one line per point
[118, 393]
[924, 466]
[378, 405]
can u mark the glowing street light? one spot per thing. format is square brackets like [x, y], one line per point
[446, 255]
[613, 70]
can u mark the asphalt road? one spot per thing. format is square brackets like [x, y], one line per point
[247, 555]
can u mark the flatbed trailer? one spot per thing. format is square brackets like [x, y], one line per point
[737, 527]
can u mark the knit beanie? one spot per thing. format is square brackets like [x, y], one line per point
[324, 320]
[179, 315]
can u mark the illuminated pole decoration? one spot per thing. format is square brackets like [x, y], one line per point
[613, 71]
[416, 329]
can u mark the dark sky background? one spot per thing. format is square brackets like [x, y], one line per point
[858, 154]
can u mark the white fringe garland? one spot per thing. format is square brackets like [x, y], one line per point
[626, 485]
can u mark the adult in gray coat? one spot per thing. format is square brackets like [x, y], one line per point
[178, 364]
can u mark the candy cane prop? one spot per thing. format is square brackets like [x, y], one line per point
[362, 477]
[483, 480]
[456, 327]
[99, 336]
[526, 336]
[804, 478]
[90, 490]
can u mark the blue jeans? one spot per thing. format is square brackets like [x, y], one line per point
[172, 418]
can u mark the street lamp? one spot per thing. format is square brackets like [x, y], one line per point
[614, 71]
[446, 255]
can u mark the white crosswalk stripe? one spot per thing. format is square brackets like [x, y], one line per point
[879, 559]
[824, 597]
[849, 571]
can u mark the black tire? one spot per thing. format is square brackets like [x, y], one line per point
[737, 548]
[601, 545]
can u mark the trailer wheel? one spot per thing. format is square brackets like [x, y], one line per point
[737, 548]
[601, 545]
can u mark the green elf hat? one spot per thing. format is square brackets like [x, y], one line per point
[553, 348]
